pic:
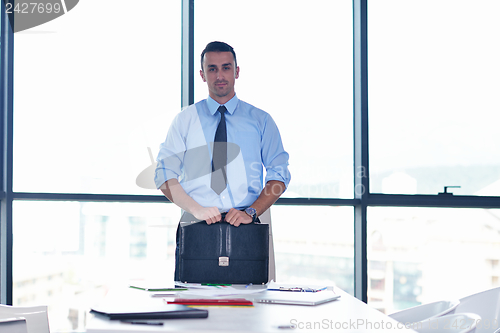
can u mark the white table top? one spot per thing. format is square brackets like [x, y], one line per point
[346, 314]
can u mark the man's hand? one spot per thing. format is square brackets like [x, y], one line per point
[236, 217]
[209, 214]
[175, 193]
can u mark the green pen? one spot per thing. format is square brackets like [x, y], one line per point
[216, 284]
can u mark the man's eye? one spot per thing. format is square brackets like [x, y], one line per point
[211, 69]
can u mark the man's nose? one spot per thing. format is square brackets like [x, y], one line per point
[220, 76]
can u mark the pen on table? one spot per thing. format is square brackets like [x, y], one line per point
[216, 284]
[164, 294]
[248, 285]
[136, 322]
[287, 326]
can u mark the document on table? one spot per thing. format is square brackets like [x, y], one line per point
[296, 287]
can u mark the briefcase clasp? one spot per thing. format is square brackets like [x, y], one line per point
[223, 261]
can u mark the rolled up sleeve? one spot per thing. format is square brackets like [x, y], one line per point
[170, 158]
[274, 157]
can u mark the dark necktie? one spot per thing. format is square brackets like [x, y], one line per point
[219, 159]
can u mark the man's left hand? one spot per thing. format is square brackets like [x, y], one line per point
[236, 217]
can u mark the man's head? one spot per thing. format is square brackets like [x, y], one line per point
[218, 47]
[219, 70]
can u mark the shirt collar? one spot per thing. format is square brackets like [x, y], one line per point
[230, 105]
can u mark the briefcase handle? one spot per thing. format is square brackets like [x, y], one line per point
[188, 218]
[223, 217]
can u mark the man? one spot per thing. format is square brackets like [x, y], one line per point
[187, 172]
[253, 130]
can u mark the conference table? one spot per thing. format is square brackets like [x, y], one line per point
[346, 314]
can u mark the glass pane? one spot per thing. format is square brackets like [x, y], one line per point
[95, 89]
[422, 255]
[68, 254]
[295, 62]
[433, 96]
[314, 245]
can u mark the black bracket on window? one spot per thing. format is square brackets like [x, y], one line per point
[446, 190]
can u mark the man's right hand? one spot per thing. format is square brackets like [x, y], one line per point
[176, 194]
[209, 214]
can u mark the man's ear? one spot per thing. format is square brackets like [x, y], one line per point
[237, 74]
[202, 75]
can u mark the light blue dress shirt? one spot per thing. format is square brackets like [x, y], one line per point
[254, 143]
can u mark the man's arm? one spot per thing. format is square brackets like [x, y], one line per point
[271, 192]
[175, 193]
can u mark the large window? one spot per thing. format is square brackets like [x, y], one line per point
[434, 110]
[289, 70]
[314, 245]
[422, 255]
[433, 123]
[95, 103]
[67, 255]
[95, 89]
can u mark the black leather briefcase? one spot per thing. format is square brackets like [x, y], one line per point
[221, 253]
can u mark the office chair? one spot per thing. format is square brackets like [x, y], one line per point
[486, 304]
[265, 218]
[424, 311]
[36, 317]
[454, 323]
[13, 325]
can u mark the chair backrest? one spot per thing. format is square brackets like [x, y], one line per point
[36, 316]
[425, 311]
[486, 304]
[13, 325]
[454, 323]
[265, 218]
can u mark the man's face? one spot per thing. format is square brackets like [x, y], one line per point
[220, 73]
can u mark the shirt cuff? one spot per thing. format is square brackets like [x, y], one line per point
[279, 173]
[162, 175]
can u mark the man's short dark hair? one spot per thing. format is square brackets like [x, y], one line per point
[218, 47]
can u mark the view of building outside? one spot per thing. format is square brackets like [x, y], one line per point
[422, 255]
[67, 255]
[97, 97]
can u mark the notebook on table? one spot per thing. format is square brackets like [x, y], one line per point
[296, 298]
[134, 312]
